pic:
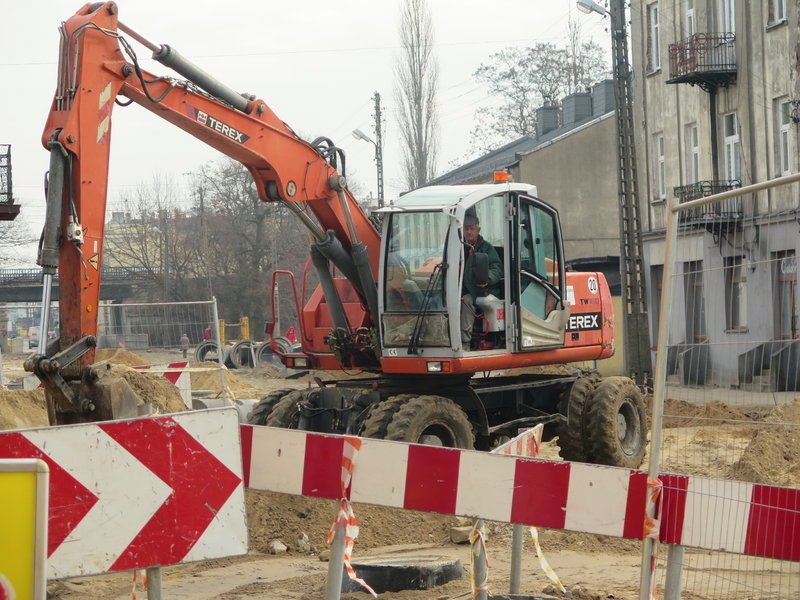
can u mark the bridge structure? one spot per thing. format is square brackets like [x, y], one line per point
[119, 283]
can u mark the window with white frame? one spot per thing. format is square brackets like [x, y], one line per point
[733, 160]
[692, 154]
[727, 16]
[661, 184]
[783, 130]
[735, 293]
[689, 18]
[777, 11]
[653, 38]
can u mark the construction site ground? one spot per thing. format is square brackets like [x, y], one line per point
[592, 567]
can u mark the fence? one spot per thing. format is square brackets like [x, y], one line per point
[727, 398]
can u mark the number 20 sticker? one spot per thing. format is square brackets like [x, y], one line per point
[592, 283]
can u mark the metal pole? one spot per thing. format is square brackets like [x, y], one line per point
[153, 583]
[479, 565]
[650, 546]
[672, 585]
[221, 350]
[517, 540]
[333, 590]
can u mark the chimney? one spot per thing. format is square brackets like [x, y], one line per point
[577, 107]
[603, 97]
[546, 120]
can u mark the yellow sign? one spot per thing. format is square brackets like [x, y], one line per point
[94, 261]
[23, 528]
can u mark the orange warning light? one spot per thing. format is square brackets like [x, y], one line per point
[502, 177]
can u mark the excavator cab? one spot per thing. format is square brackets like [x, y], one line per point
[423, 280]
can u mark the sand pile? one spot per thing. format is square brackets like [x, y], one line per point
[679, 413]
[209, 380]
[151, 388]
[120, 356]
[773, 456]
[20, 409]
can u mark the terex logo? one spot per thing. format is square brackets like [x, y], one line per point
[217, 125]
[584, 322]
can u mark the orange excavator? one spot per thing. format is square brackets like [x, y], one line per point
[390, 297]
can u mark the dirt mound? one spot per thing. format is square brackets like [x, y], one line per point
[679, 413]
[22, 409]
[209, 380]
[279, 516]
[773, 456]
[153, 389]
[120, 356]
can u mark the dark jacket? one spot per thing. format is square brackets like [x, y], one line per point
[494, 284]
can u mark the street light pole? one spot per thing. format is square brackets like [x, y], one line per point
[634, 298]
[360, 135]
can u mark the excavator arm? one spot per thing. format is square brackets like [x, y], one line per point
[98, 69]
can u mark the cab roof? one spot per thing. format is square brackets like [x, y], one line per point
[443, 196]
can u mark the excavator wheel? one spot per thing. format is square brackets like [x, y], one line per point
[572, 444]
[615, 424]
[431, 420]
[286, 411]
[262, 410]
[380, 415]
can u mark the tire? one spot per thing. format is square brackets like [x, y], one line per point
[431, 420]
[616, 424]
[381, 414]
[572, 443]
[286, 411]
[262, 410]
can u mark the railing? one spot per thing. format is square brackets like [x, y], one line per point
[702, 54]
[111, 274]
[726, 210]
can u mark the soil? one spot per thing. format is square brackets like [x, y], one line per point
[22, 409]
[120, 356]
[679, 413]
[162, 395]
[209, 379]
[773, 456]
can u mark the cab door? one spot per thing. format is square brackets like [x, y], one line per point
[538, 283]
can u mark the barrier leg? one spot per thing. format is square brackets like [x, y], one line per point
[154, 583]
[672, 585]
[480, 569]
[516, 558]
[333, 591]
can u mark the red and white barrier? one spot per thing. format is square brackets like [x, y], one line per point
[559, 495]
[176, 373]
[138, 493]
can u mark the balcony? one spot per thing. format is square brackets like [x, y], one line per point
[704, 59]
[715, 217]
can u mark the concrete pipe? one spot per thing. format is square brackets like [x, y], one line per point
[242, 355]
[207, 351]
[266, 356]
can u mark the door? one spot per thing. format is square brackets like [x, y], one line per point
[538, 265]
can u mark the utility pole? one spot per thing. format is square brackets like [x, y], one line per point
[634, 297]
[379, 146]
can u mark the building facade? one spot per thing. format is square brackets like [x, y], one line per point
[716, 105]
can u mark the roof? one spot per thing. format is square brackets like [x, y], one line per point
[510, 154]
[438, 197]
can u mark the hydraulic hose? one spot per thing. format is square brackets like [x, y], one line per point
[329, 290]
[331, 248]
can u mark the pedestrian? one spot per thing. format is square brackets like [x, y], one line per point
[185, 343]
[207, 333]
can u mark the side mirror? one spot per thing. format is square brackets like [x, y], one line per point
[480, 269]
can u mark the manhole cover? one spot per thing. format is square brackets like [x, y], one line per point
[392, 574]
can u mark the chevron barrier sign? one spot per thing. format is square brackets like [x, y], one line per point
[139, 493]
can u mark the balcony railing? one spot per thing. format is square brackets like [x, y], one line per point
[716, 213]
[705, 59]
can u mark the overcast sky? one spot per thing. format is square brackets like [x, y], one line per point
[316, 63]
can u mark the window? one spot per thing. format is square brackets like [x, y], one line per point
[727, 16]
[661, 185]
[694, 302]
[783, 144]
[777, 11]
[787, 308]
[692, 154]
[653, 41]
[735, 293]
[733, 164]
[689, 18]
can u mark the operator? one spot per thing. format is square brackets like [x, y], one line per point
[474, 242]
[402, 292]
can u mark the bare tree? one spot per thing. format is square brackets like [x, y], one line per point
[416, 82]
[586, 60]
[13, 236]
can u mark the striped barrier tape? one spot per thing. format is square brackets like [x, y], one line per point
[346, 517]
[712, 514]
[548, 570]
[477, 539]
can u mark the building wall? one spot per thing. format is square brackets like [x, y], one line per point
[767, 56]
[577, 175]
